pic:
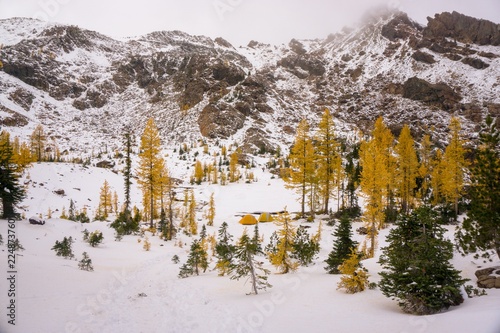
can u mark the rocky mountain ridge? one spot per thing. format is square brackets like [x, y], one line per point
[73, 80]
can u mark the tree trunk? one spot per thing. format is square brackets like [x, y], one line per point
[252, 273]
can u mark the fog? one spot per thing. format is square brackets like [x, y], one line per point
[238, 21]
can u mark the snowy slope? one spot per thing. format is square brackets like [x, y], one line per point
[132, 290]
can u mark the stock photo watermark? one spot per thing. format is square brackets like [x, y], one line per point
[222, 7]
[49, 9]
[12, 273]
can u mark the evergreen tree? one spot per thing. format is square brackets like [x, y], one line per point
[481, 229]
[328, 158]
[71, 212]
[63, 248]
[11, 192]
[354, 277]
[353, 174]
[302, 164]
[406, 169]
[246, 265]
[342, 246]
[127, 170]
[197, 260]
[305, 248]
[256, 238]
[151, 166]
[281, 258]
[224, 250]
[416, 265]
[86, 263]
[425, 167]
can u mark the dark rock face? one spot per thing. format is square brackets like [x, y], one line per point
[463, 28]
[423, 57]
[311, 65]
[23, 98]
[475, 62]
[400, 27]
[439, 95]
[220, 121]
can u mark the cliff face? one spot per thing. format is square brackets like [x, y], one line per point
[69, 78]
[463, 28]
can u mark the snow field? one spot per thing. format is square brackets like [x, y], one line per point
[132, 290]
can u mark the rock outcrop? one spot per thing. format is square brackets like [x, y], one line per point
[463, 28]
[488, 277]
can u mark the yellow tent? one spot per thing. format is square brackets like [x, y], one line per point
[248, 220]
[266, 217]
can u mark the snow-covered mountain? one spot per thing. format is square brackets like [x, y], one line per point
[73, 80]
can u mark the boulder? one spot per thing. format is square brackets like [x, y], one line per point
[488, 277]
[423, 57]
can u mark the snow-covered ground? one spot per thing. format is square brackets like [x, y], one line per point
[132, 290]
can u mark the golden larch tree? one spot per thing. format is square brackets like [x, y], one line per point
[281, 257]
[105, 201]
[406, 169]
[328, 159]
[151, 165]
[302, 164]
[38, 143]
[455, 166]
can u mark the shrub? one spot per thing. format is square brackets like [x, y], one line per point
[63, 248]
[86, 263]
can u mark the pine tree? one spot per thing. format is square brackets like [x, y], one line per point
[197, 260]
[354, 277]
[246, 265]
[151, 165]
[416, 265]
[38, 143]
[224, 250]
[454, 166]
[437, 178]
[406, 170]
[304, 247]
[425, 167]
[342, 246]
[63, 248]
[127, 171]
[328, 158]
[281, 258]
[302, 164]
[481, 229]
[85, 264]
[71, 212]
[11, 192]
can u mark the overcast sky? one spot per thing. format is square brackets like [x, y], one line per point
[238, 21]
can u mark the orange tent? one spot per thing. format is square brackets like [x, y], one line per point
[248, 220]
